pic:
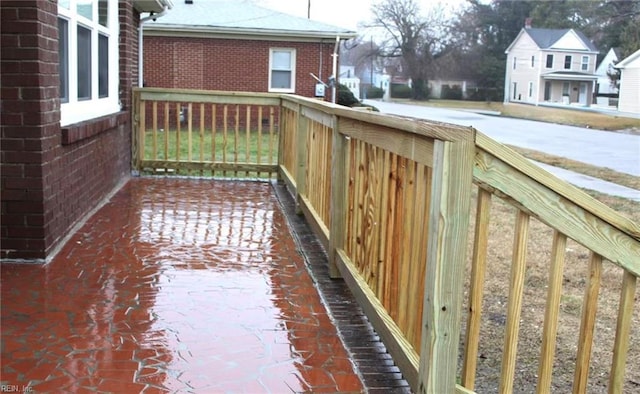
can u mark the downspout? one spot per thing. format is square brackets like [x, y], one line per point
[140, 43]
[335, 70]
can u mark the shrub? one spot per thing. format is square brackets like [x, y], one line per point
[451, 92]
[345, 96]
[374, 92]
[400, 91]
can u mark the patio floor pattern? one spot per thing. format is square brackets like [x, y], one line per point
[177, 285]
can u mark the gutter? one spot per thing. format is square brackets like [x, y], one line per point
[334, 77]
[141, 44]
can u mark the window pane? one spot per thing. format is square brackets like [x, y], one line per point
[549, 61]
[567, 62]
[84, 63]
[103, 12]
[85, 8]
[103, 66]
[63, 56]
[281, 79]
[281, 60]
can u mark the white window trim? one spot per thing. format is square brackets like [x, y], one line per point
[293, 70]
[584, 66]
[76, 111]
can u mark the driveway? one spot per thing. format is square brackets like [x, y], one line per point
[617, 151]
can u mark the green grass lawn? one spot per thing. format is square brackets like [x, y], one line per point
[241, 148]
[230, 148]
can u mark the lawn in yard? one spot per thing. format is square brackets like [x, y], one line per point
[231, 147]
[571, 117]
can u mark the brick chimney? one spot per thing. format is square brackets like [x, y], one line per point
[527, 23]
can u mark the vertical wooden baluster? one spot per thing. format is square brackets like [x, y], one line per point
[271, 130]
[623, 330]
[259, 155]
[514, 307]
[202, 116]
[155, 130]
[189, 134]
[225, 122]
[550, 330]
[247, 158]
[178, 132]
[235, 141]
[166, 130]
[587, 325]
[476, 291]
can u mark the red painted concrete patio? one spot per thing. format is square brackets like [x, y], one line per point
[177, 285]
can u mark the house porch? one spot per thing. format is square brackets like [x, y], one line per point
[188, 285]
[567, 89]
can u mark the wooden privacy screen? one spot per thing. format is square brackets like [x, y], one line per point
[212, 133]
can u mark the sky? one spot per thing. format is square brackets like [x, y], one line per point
[341, 13]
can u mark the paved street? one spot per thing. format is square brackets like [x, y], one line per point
[617, 151]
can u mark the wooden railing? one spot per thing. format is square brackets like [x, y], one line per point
[206, 133]
[390, 199]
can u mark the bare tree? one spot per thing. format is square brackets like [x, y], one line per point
[417, 39]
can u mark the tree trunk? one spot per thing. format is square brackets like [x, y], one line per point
[419, 89]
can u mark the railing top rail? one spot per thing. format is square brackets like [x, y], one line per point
[430, 129]
[565, 189]
[207, 96]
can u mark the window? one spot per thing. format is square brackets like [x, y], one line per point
[565, 88]
[515, 89]
[88, 52]
[533, 61]
[530, 89]
[514, 62]
[567, 62]
[585, 63]
[549, 61]
[282, 70]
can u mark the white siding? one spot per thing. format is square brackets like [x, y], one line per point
[629, 100]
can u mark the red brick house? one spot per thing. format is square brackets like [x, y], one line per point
[238, 46]
[67, 69]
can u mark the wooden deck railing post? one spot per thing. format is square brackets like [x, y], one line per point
[135, 119]
[301, 146]
[338, 197]
[447, 240]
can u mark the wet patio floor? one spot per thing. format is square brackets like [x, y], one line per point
[183, 285]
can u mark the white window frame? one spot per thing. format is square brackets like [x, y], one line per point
[75, 110]
[292, 51]
[585, 63]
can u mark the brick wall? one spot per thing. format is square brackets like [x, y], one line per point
[229, 64]
[52, 176]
